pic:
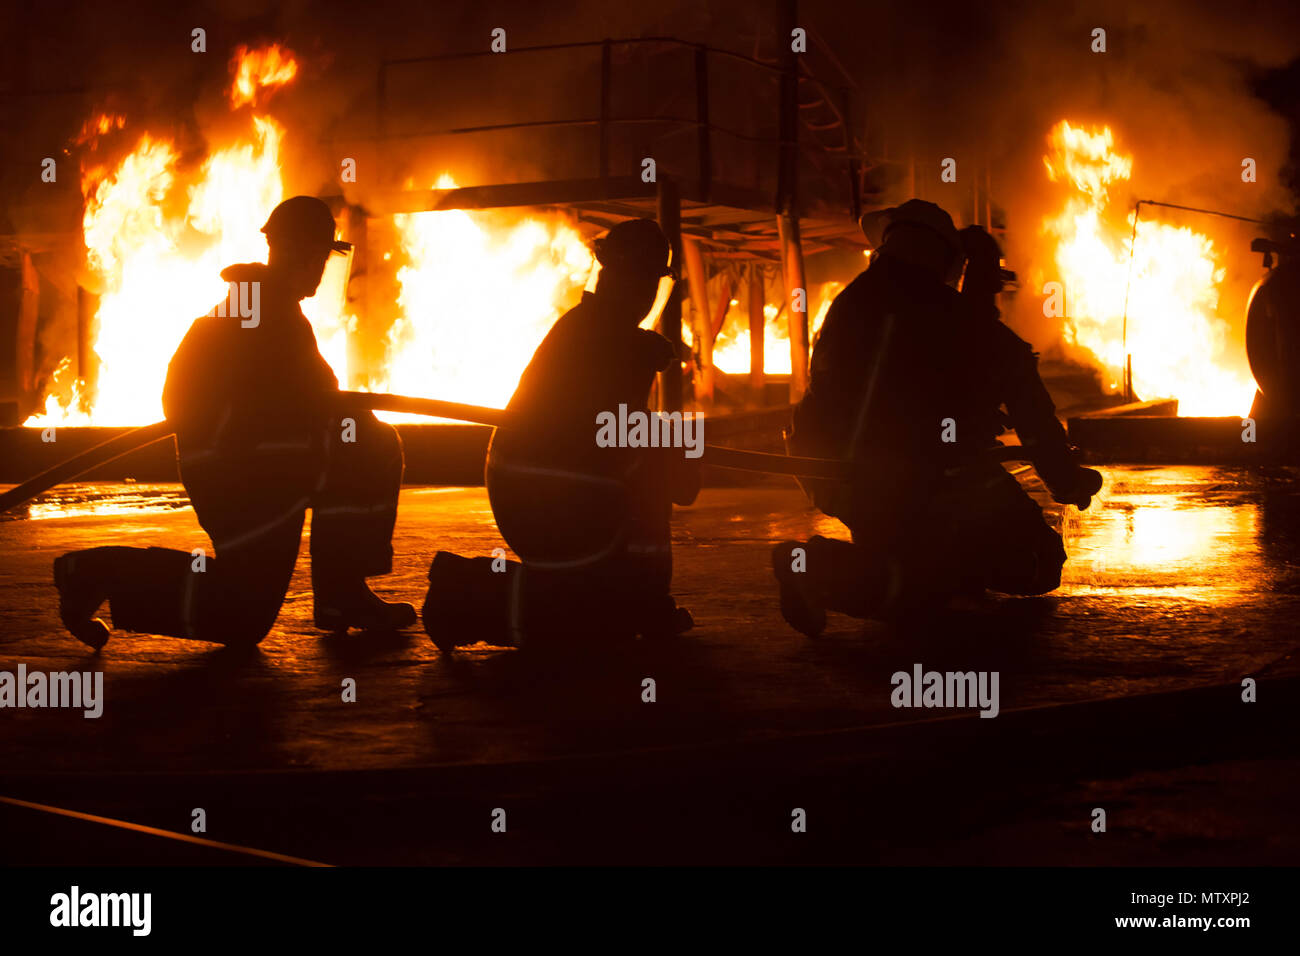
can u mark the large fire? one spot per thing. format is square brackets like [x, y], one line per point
[159, 263]
[1175, 337]
[731, 350]
[478, 290]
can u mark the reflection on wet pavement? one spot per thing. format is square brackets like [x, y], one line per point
[103, 499]
[1158, 533]
[1195, 530]
[1177, 577]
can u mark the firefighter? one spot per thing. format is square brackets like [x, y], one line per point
[589, 523]
[261, 436]
[908, 380]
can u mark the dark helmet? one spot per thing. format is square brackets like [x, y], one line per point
[638, 244]
[984, 271]
[304, 221]
[916, 212]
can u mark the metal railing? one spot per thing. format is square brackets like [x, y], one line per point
[844, 153]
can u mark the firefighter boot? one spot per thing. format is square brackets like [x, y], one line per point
[799, 606]
[147, 589]
[81, 591]
[663, 617]
[469, 600]
[342, 602]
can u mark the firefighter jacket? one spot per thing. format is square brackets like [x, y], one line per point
[908, 381]
[251, 390]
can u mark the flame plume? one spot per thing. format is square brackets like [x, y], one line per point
[1178, 342]
[258, 72]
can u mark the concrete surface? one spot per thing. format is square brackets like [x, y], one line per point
[1181, 582]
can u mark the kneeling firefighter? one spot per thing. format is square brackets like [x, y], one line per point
[589, 523]
[261, 436]
[908, 381]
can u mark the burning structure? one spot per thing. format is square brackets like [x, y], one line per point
[455, 281]
[464, 259]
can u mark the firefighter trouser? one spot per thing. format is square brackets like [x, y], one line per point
[253, 511]
[978, 530]
[596, 551]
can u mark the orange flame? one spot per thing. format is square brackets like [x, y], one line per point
[1177, 341]
[157, 237]
[260, 70]
[97, 126]
[479, 292]
[731, 348]
[159, 265]
[1086, 160]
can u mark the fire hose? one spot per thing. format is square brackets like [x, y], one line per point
[737, 459]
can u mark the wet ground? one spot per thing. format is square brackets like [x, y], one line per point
[1182, 582]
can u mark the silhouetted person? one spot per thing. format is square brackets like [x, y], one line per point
[261, 437]
[590, 523]
[907, 381]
